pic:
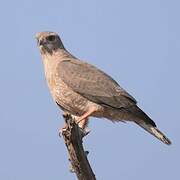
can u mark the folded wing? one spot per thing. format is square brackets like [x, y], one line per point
[93, 84]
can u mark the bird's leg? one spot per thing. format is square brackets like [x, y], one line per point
[83, 126]
[83, 123]
[84, 118]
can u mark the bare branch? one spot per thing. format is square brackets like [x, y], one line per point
[73, 135]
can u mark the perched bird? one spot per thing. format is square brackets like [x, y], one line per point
[83, 90]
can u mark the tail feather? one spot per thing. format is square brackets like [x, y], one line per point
[154, 131]
[143, 120]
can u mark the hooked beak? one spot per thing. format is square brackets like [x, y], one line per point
[41, 42]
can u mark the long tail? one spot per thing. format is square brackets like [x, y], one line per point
[154, 131]
[143, 120]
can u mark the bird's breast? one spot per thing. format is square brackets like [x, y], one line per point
[62, 94]
[67, 98]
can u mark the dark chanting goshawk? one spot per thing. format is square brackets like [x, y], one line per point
[83, 90]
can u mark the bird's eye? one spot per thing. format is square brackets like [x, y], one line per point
[51, 38]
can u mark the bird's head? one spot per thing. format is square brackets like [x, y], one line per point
[49, 42]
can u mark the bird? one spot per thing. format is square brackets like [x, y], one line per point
[84, 91]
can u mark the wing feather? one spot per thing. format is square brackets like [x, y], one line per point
[93, 84]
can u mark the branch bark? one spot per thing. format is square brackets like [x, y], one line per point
[73, 135]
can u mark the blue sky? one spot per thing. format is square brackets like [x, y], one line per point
[136, 42]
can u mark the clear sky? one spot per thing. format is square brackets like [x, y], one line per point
[136, 42]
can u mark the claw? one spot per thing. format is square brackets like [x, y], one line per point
[61, 130]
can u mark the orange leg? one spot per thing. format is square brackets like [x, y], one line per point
[83, 120]
[83, 123]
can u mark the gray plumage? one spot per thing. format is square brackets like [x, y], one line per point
[84, 90]
[93, 84]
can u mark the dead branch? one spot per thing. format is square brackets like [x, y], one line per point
[73, 135]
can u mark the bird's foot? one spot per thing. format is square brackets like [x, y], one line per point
[61, 130]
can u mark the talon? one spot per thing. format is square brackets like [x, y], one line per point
[61, 130]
